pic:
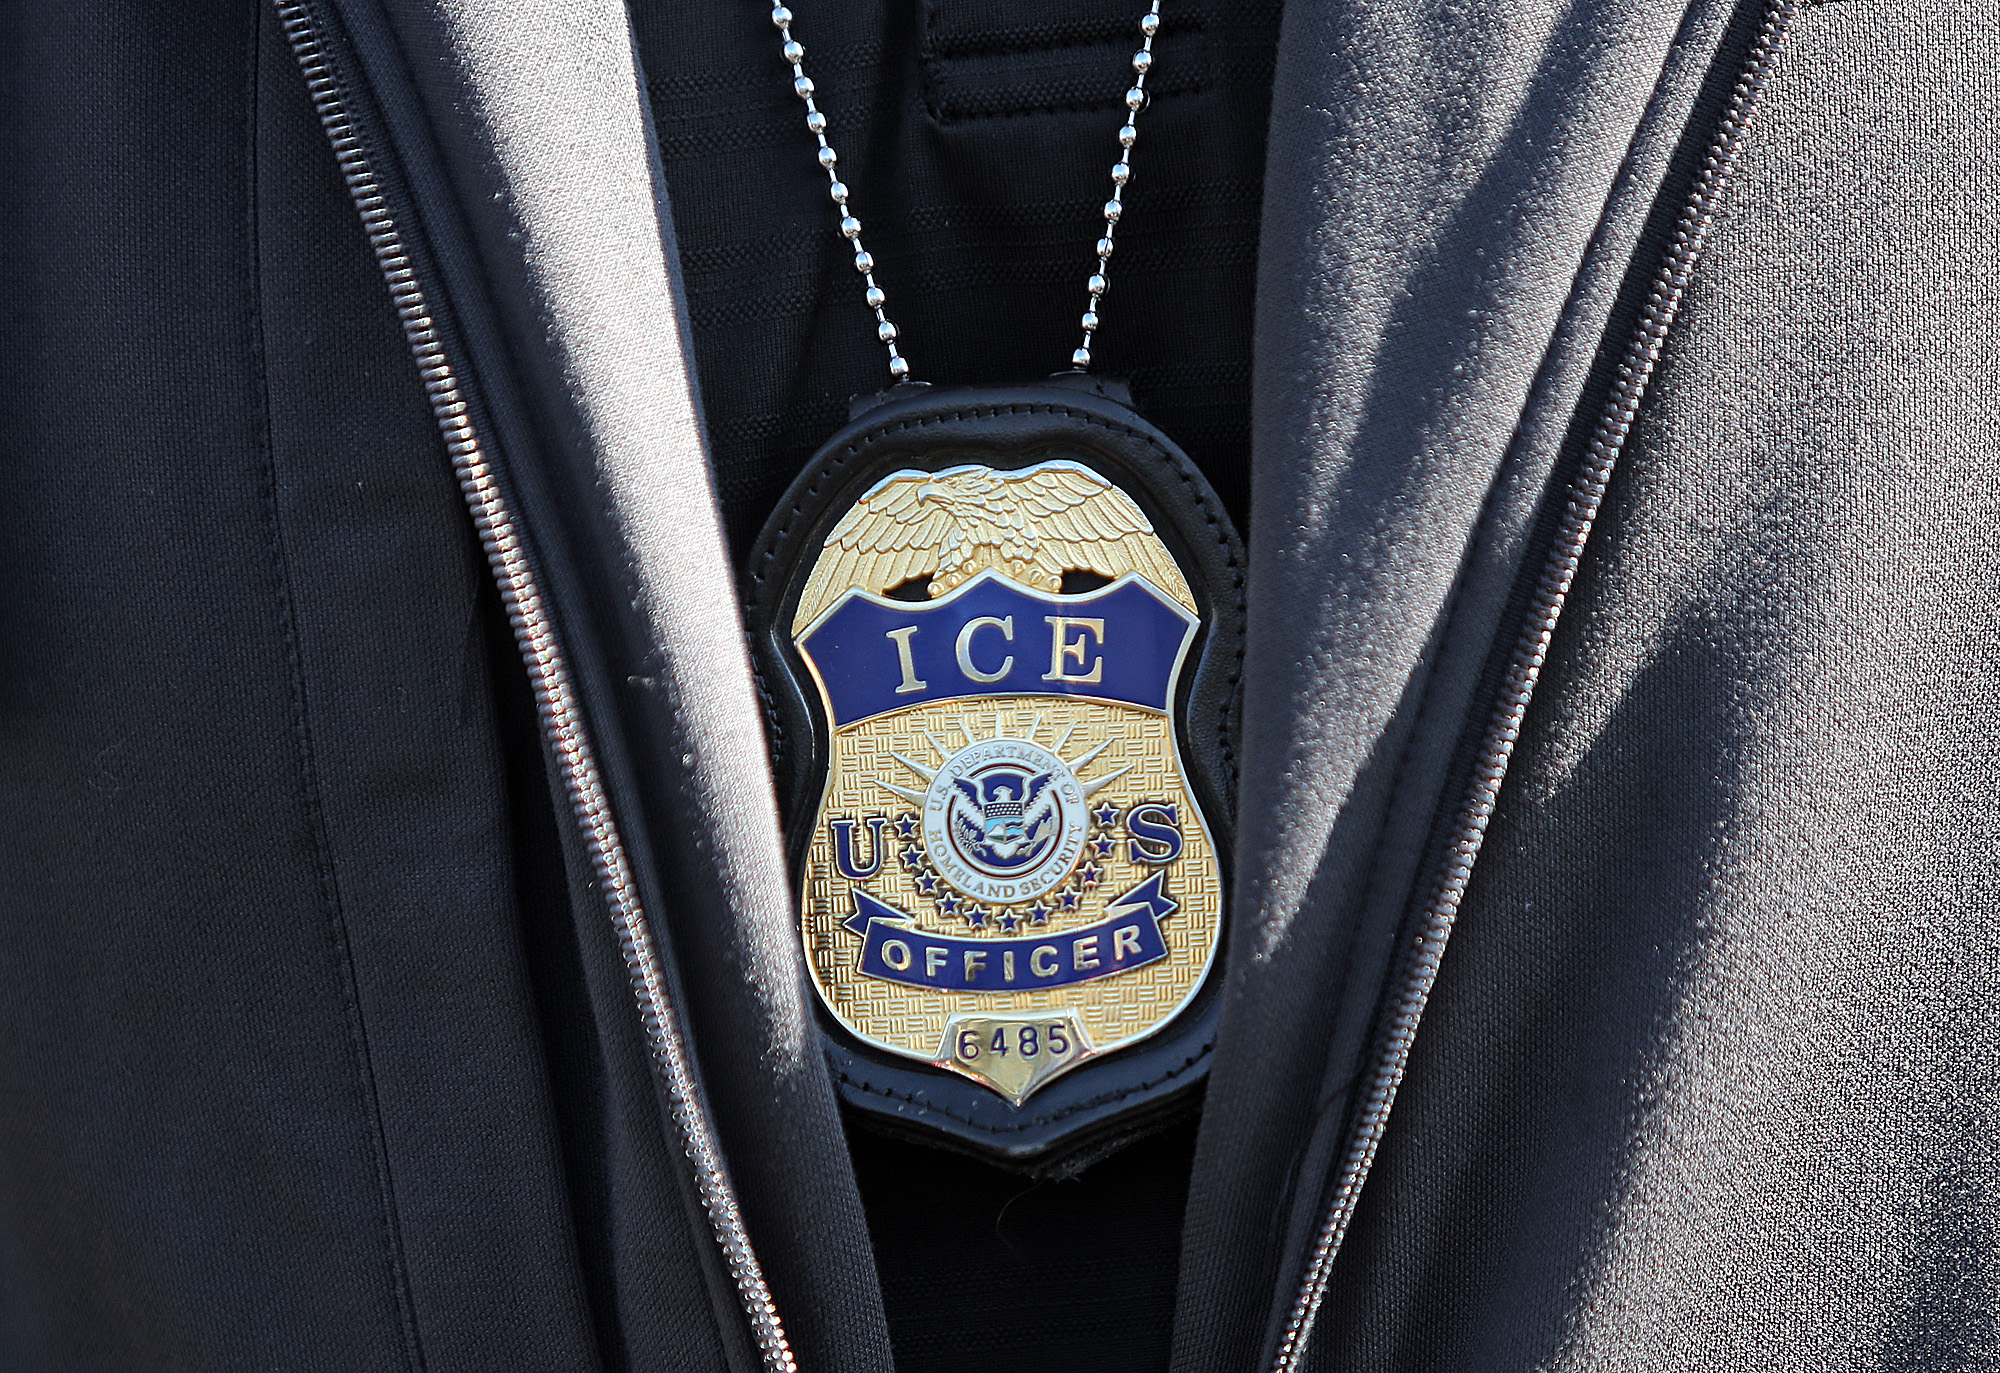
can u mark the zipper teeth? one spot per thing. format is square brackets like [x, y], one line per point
[555, 696]
[1524, 668]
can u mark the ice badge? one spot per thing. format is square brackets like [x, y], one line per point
[1006, 873]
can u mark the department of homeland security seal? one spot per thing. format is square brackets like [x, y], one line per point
[1001, 630]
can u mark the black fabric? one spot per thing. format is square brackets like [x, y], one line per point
[254, 855]
[987, 1272]
[276, 1085]
[1710, 1073]
[977, 139]
[1493, 172]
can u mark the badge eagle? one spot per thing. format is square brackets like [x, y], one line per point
[1034, 526]
[1008, 874]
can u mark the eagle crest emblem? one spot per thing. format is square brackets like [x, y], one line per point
[1005, 826]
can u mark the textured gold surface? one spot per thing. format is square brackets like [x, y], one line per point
[1114, 1010]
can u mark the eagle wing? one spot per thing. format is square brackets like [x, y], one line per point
[1084, 523]
[970, 833]
[1055, 518]
[1041, 803]
[885, 539]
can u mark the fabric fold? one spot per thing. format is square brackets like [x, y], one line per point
[544, 211]
[1466, 190]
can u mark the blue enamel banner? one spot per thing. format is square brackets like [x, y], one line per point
[1128, 937]
[994, 637]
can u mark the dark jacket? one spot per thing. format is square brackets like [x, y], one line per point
[398, 968]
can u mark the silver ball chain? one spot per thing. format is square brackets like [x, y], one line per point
[850, 228]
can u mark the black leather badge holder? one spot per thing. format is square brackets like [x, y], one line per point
[999, 632]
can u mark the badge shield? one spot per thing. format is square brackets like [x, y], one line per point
[1008, 875]
[1006, 872]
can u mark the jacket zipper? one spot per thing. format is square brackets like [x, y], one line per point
[1524, 666]
[555, 697]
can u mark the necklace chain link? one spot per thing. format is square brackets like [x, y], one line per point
[850, 227]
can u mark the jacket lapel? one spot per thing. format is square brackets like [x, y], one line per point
[539, 232]
[1455, 197]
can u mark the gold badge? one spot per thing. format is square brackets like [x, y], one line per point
[1008, 874]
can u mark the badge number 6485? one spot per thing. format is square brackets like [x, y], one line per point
[1013, 1054]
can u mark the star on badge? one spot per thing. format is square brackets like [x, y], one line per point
[1105, 815]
